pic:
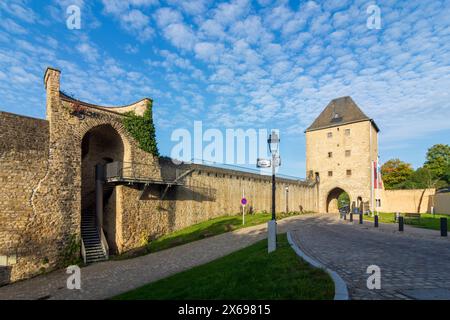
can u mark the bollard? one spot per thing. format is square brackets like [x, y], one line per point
[400, 223]
[360, 218]
[376, 221]
[351, 216]
[443, 227]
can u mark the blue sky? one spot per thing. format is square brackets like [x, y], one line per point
[240, 64]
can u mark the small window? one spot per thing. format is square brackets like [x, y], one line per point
[330, 154]
[330, 173]
[347, 132]
[348, 153]
[330, 134]
[349, 172]
[378, 203]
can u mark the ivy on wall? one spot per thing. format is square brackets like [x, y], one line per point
[142, 129]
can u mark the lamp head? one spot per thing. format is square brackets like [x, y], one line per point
[273, 142]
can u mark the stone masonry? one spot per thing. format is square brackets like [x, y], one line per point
[46, 175]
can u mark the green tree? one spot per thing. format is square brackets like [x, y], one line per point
[438, 160]
[395, 172]
[422, 178]
[343, 200]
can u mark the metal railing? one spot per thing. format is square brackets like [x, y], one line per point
[142, 172]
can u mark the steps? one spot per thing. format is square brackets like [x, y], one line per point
[90, 231]
[91, 238]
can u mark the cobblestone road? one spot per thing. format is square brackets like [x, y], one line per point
[414, 264]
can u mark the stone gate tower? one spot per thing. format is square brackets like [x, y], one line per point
[341, 145]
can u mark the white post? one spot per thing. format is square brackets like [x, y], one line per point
[243, 208]
[372, 178]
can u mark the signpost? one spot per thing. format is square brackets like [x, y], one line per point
[263, 163]
[243, 203]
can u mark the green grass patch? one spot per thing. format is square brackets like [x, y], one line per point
[427, 220]
[250, 273]
[211, 228]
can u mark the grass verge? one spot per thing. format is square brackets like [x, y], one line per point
[250, 273]
[211, 228]
[427, 220]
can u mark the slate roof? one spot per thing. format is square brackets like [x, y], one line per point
[338, 112]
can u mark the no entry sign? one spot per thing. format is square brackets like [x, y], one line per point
[243, 201]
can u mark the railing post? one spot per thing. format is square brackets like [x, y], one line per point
[99, 180]
[443, 227]
[400, 223]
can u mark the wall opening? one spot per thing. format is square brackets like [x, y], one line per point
[337, 198]
[100, 145]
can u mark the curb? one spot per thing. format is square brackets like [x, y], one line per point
[340, 287]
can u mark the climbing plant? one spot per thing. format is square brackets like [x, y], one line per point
[71, 252]
[142, 129]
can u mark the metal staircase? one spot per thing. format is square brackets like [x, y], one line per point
[94, 250]
[94, 244]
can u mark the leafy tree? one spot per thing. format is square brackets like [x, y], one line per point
[343, 200]
[438, 160]
[422, 178]
[395, 172]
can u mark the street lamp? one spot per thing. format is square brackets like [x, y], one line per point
[274, 142]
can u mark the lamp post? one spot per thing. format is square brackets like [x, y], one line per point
[274, 142]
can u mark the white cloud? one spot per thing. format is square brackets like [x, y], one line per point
[167, 16]
[208, 51]
[11, 26]
[131, 19]
[180, 35]
[88, 51]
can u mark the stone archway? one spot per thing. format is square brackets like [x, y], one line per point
[100, 145]
[332, 205]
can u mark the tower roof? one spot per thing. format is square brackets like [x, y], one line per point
[338, 112]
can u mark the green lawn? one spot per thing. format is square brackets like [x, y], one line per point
[427, 220]
[211, 228]
[250, 273]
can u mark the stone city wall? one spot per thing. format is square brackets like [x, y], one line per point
[441, 202]
[208, 192]
[23, 164]
[416, 200]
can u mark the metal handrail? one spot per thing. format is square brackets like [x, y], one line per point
[104, 242]
[83, 250]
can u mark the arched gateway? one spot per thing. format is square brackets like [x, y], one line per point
[333, 198]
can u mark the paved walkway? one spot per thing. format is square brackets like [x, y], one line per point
[414, 264]
[107, 279]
